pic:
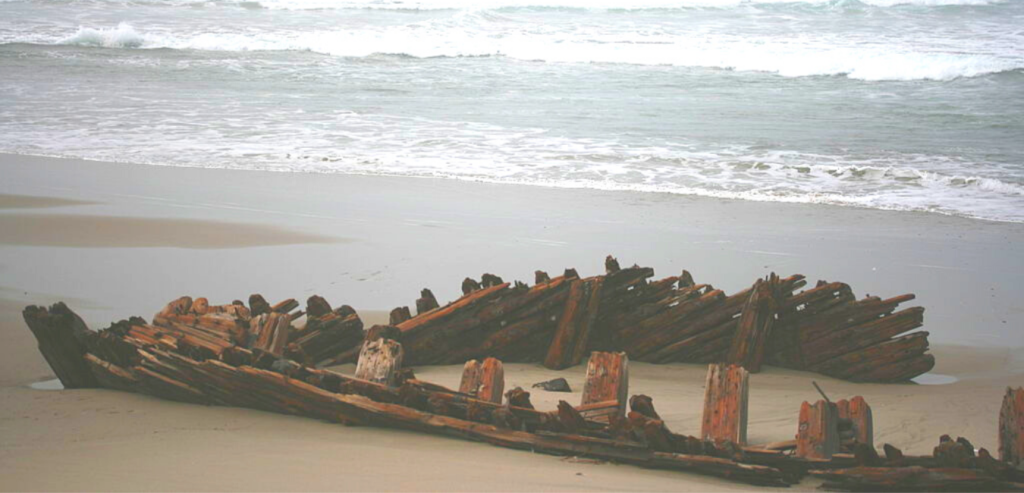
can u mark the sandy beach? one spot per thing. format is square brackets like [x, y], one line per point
[115, 240]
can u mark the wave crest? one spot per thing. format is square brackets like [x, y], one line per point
[468, 38]
[123, 36]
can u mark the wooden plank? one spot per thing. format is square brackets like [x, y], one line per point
[492, 381]
[470, 382]
[913, 478]
[607, 379]
[818, 431]
[1011, 427]
[755, 326]
[572, 334]
[379, 361]
[858, 412]
[725, 404]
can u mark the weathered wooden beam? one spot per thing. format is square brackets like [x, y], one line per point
[818, 431]
[755, 326]
[426, 302]
[379, 361]
[285, 306]
[858, 412]
[725, 404]
[398, 315]
[271, 331]
[317, 306]
[1011, 427]
[607, 379]
[572, 334]
[485, 381]
[913, 478]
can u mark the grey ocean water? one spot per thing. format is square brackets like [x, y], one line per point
[895, 104]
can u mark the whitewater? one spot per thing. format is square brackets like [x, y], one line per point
[893, 104]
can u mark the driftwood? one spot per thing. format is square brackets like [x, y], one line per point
[725, 405]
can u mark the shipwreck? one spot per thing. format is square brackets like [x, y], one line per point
[263, 356]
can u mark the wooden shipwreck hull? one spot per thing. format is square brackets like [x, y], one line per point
[560, 320]
[198, 355]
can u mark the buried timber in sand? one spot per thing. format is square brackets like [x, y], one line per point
[255, 356]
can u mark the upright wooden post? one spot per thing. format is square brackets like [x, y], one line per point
[1011, 427]
[484, 380]
[607, 379]
[59, 332]
[725, 404]
[818, 432]
[470, 382]
[858, 412]
[426, 302]
[379, 361]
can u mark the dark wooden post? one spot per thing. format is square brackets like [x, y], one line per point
[818, 432]
[607, 379]
[60, 333]
[379, 361]
[1011, 427]
[725, 404]
[426, 302]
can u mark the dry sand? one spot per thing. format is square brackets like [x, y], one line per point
[406, 234]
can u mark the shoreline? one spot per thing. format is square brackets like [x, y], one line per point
[487, 181]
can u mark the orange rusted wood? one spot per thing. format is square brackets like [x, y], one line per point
[818, 431]
[1011, 427]
[574, 325]
[485, 381]
[725, 404]
[492, 381]
[858, 412]
[607, 379]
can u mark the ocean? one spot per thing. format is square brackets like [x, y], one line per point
[889, 104]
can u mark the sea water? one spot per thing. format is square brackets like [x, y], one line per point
[891, 104]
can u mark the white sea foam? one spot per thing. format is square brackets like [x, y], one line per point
[782, 56]
[582, 4]
[123, 36]
[417, 147]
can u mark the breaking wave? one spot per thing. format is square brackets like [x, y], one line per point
[782, 57]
